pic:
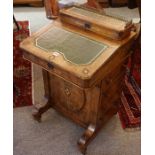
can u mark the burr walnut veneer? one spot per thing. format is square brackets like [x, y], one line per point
[83, 74]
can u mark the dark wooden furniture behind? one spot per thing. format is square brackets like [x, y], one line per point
[98, 4]
[52, 9]
[36, 3]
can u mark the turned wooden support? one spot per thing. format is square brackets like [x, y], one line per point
[37, 115]
[52, 8]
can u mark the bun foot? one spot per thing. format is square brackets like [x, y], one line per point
[37, 116]
[82, 149]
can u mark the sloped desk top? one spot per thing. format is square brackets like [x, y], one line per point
[71, 51]
[75, 48]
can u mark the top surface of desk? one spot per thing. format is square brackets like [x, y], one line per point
[81, 61]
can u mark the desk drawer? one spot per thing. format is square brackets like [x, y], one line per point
[115, 76]
[53, 69]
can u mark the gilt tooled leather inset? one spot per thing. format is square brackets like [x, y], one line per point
[75, 48]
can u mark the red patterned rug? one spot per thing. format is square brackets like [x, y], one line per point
[22, 76]
[130, 108]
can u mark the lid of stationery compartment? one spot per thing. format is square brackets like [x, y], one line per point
[110, 21]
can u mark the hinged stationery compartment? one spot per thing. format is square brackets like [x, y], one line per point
[100, 23]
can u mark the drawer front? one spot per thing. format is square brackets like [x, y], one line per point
[112, 87]
[66, 94]
[76, 103]
[115, 77]
[55, 70]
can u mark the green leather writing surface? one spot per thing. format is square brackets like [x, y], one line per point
[74, 48]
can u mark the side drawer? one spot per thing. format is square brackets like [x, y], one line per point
[113, 77]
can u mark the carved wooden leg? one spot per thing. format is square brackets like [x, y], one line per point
[37, 115]
[88, 135]
[92, 130]
[45, 75]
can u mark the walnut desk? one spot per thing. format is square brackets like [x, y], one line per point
[82, 72]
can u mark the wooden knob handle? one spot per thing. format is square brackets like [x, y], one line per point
[50, 65]
[87, 25]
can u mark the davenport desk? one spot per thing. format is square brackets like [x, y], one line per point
[82, 71]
